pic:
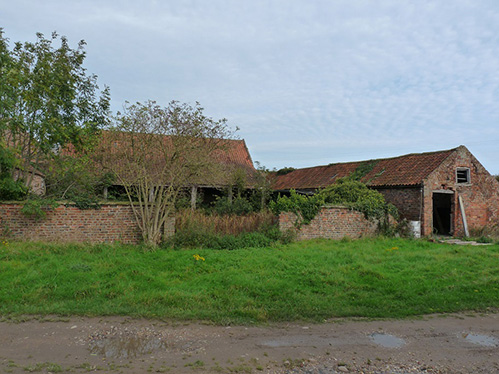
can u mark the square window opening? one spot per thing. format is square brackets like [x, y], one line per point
[463, 175]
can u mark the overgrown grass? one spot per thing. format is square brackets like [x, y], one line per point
[188, 220]
[312, 280]
[195, 229]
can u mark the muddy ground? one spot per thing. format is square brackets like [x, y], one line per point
[464, 343]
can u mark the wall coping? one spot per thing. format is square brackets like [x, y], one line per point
[68, 203]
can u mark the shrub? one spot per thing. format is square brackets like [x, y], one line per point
[359, 197]
[238, 206]
[348, 192]
[37, 207]
[305, 207]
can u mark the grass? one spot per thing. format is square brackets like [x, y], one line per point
[189, 220]
[315, 280]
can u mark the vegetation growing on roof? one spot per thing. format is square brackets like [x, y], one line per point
[285, 170]
[362, 170]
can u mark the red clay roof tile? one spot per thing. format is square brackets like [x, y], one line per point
[407, 170]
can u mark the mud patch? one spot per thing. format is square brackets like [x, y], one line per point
[290, 341]
[126, 343]
[483, 340]
[386, 340]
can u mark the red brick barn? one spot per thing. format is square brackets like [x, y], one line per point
[440, 192]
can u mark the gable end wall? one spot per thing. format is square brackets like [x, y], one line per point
[480, 197]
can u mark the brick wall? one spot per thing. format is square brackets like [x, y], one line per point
[331, 223]
[113, 222]
[480, 196]
[406, 199]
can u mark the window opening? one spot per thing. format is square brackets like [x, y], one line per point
[463, 175]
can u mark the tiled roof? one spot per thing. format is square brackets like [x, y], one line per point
[407, 170]
[228, 155]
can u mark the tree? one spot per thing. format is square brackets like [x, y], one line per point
[156, 153]
[47, 101]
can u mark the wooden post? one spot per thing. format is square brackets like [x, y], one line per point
[463, 214]
[151, 194]
[194, 193]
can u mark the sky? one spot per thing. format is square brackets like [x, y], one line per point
[307, 82]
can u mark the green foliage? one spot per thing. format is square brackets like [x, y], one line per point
[208, 240]
[362, 170]
[358, 196]
[238, 206]
[73, 178]
[197, 230]
[36, 207]
[348, 192]
[48, 100]
[305, 207]
[85, 202]
[10, 189]
[285, 170]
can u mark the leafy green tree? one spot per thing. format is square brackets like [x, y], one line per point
[47, 101]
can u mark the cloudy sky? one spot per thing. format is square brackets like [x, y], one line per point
[308, 82]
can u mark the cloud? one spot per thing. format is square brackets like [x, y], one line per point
[307, 82]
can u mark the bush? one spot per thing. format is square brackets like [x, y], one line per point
[348, 192]
[305, 207]
[359, 197]
[238, 206]
[37, 207]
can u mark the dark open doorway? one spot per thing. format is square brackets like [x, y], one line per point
[442, 213]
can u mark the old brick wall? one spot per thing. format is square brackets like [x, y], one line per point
[480, 196]
[113, 222]
[331, 223]
[406, 199]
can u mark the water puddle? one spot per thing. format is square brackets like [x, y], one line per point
[483, 340]
[126, 346]
[386, 340]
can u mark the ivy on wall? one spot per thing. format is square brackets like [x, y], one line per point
[346, 191]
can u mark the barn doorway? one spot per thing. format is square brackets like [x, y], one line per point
[442, 213]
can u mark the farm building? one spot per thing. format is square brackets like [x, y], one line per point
[445, 192]
[223, 160]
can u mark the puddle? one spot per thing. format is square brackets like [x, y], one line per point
[483, 340]
[386, 340]
[126, 346]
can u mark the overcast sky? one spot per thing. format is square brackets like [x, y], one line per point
[307, 82]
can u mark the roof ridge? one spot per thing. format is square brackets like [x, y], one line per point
[379, 159]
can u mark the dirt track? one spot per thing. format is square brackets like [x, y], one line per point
[436, 344]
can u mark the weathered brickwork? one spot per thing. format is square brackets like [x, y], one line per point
[113, 222]
[406, 199]
[331, 223]
[480, 196]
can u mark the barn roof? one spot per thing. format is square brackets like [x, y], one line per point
[228, 155]
[407, 170]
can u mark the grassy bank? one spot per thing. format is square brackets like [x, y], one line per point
[313, 280]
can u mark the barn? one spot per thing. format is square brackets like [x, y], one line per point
[443, 192]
